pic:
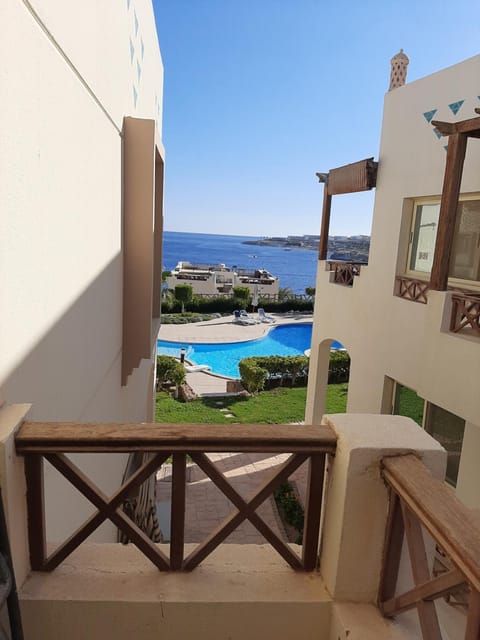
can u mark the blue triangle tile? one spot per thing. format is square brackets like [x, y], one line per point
[428, 115]
[139, 70]
[135, 97]
[446, 147]
[132, 51]
[143, 47]
[437, 133]
[455, 106]
[136, 23]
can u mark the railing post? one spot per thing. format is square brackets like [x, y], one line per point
[36, 511]
[393, 549]
[472, 631]
[313, 508]
[177, 525]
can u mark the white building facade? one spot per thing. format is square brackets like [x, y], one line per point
[82, 103]
[405, 344]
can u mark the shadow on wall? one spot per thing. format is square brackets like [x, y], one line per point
[73, 374]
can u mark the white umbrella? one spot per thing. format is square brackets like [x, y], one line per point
[255, 296]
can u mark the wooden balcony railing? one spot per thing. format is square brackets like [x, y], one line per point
[36, 441]
[419, 500]
[411, 289]
[344, 272]
[465, 313]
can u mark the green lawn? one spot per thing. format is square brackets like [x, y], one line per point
[278, 406]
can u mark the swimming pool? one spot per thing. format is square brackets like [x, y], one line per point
[223, 357]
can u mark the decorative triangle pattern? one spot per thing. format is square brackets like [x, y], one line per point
[455, 106]
[132, 51]
[428, 115]
[437, 133]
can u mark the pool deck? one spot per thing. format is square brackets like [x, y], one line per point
[222, 330]
[225, 330]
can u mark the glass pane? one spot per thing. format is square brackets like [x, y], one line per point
[447, 429]
[408, 403]
[465, 260]
[424, 236]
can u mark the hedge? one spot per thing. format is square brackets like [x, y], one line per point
[339, 367]
[255, 371]
[258, 371]
[228, 304]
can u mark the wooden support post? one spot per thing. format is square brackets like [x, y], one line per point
[327, 204]
[177, 526]
[457, 144]
[36, 511]
[393, 550]
[472, 631]
[313, 509]
[418, 559]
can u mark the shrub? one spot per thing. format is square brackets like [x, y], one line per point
[253, 376]
[241, 297]
[339, 366]
[170, 370]
[290, 508]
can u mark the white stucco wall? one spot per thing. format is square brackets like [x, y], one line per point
[68, 73]
[384, 334]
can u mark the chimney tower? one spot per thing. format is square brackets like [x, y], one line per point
[398, 75]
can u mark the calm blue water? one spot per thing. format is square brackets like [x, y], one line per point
[296, 268]
[223, 358]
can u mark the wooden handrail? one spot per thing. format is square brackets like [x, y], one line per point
[52, 441]
[344, 272]
[447, 519]
[73, 437]
[418, 499]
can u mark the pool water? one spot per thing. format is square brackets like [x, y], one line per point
[223, 358]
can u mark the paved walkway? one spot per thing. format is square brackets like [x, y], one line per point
[206, 506]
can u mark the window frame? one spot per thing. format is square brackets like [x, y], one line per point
[423, 275]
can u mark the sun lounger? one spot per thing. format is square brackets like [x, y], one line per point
[244, 315]
[263, 317]
[238, 318]
[192, 368]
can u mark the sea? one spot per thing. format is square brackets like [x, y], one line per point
[296, 268]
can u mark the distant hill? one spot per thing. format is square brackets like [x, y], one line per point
[348, 248]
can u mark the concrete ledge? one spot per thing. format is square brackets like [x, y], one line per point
[240, 591]
[363, 622]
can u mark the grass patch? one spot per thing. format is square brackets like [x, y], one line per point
[277, 406]
[409, 404]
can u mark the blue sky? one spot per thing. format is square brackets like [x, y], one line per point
[261, 94]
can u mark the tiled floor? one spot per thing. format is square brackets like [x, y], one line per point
[207, 507]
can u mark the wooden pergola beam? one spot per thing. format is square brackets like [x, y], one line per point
[457, 145]
[327, 205]
[469, 127]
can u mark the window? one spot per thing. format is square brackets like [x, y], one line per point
[447, 429]
[465, 258]
[407, 403]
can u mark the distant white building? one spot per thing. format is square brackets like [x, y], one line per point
[218, 279]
